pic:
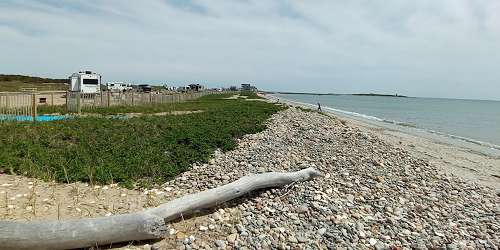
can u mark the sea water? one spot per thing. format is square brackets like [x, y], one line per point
[472, 121]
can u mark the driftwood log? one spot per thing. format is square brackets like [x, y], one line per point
[144, 225]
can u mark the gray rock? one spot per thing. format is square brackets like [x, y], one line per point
[322, 231]
[220, 244]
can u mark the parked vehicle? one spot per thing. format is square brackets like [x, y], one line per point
[85, 82]
[146, 88]
[118, 86]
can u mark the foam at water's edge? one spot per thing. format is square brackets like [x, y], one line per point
[403, 124]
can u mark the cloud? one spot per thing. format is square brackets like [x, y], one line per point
[424, 48]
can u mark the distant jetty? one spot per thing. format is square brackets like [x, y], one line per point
[306, 93]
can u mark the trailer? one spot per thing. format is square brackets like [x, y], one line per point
[85, 82]
[118, 86]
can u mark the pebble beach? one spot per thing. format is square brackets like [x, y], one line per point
[373, 196]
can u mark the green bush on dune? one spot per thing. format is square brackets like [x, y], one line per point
[143, 150]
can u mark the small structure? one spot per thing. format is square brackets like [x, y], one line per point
[146, 88]
[248, 87]
[118, 86]
[183, 89]
[196, 87]
[169, 88]
[85, 82]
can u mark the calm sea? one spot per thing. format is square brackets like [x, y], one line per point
[473, 121]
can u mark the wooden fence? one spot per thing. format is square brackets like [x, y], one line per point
[76, 101]
[23, 105]
[20, 106]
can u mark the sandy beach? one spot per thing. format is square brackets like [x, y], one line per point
[380, 191]
[463, 161]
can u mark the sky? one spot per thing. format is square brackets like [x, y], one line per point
[428, 48]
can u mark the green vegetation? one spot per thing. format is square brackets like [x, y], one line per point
[250, 95]
[12, 83]
[142, 150]
[209, 102]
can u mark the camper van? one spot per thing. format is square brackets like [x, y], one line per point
[85, 82]
[118, 86]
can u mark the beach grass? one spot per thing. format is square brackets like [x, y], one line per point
[13, 83]
[250, 95]
[201, 104]
[142, 150]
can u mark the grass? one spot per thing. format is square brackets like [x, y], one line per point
[205, 103]
[143, 150]
[15, 86]
[13, 83]
[250, 95]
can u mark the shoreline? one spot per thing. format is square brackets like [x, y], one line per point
[461, 160]
[373, 195]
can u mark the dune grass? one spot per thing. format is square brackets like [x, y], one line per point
[250, 95]
[143, 150]
[13, 83]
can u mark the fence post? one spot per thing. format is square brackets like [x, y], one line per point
[51, 99]
[78, 104]
[101, 103]
[109, 98]
[150, 97]
[33, 106]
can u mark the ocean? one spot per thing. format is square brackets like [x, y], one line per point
[472, 121]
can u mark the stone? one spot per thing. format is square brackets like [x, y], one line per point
[231, 238]
[220, 244]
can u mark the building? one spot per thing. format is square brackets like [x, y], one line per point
[196, 87]
[248, 87]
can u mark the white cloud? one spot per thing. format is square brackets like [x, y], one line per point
[425, 48]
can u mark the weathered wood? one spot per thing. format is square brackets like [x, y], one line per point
[148, 224]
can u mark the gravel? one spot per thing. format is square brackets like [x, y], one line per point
[373, 195]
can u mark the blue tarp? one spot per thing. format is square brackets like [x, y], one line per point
[40, 118]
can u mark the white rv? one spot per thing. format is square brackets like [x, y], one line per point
[85, 82]
[118, 86]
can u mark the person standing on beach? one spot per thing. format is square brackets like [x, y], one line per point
[319, 107]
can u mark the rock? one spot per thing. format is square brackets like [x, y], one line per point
[350, 198]
[322, 231]
[220, 244]
[217, 216]
[240, 228]
[380, 246]
[292, 239]
[301, 239]
[231, 238]
[401, 201]
[302, 209]
[203, 228]
[180, 235]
